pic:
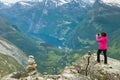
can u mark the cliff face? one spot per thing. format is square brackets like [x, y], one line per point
[85, 68]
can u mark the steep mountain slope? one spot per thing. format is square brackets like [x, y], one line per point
[8, 65]
[14, 35]
[52, 19]
[46, 55]
[8, 48]
[11, 58]
[102, 18]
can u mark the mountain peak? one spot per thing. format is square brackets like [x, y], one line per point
[111, 2]
[59, 2]
[5, 4]
[12, 1]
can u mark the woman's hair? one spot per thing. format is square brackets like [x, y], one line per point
[103, 34]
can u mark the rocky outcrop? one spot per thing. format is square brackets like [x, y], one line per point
[99, 71]
[31, 73]
[85, 68]
[70, 73]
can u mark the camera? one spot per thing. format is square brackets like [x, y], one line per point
[98, 34]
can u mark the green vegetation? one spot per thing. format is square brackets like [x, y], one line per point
[78, 35]
[114, 46]
[96, 22]
[9, 65]
[17, 38]
[53, 60]
[49, 59]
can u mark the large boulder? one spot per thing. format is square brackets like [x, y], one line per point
[98, 71]
[69, 73]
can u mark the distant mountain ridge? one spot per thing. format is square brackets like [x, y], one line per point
[57, 2]
[112, 3]
[47, 18]
[72, 24]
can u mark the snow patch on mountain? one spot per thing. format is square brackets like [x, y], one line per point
[89, 1]
[111, 2]
[57, 2]
[12, 1]
[6, 3]
[25, 4]
[63, 2]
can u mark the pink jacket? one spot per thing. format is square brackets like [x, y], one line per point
[103, 42]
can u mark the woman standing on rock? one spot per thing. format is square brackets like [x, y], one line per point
[103, 39]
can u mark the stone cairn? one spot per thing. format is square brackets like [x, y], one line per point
[31, 64]
[33, 75]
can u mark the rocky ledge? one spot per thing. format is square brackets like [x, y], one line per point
[85, 68]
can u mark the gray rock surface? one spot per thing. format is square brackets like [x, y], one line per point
[85, 68]
[99, 71]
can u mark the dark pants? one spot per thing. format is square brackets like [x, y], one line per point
[105, 55]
